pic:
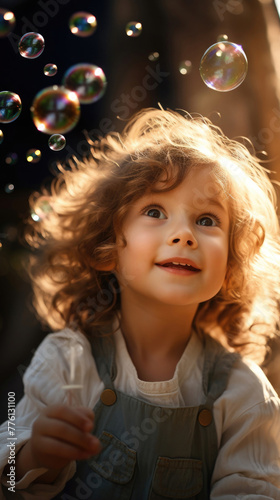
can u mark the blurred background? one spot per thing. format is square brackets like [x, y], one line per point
[158, 63]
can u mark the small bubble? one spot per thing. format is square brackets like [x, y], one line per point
[185, 67]
[33, 155]
[55, 110]
[42, 208]
[222, 38]
[1, 137]
[31, 45]
[50, 69]
[10, 106]
[223, 67]
[87, 80]
[82, 24]
[57, 142]
[153, 56]
[133, 29]
[11, 159]
[9, 188]
[7, 22]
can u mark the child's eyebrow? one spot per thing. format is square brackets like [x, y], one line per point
[217, 202]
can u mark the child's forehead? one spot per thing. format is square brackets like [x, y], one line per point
[204, 178]
[201, 183]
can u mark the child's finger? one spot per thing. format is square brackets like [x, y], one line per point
[56, 454]
[66, 432]
[78, 417]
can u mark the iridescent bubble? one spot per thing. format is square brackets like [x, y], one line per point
[153, 56]
[82, 24]
[57, 142]
[55, 110]
[33, 155]
[50, 69]
[10, 106]
[87, 80]
[11, 159]
[31, 45]
[7, 22]
[1, 136]
[42, 208]
[223, 66]
[133, 29]
[222, 38]
[185, 67]
[9, 188]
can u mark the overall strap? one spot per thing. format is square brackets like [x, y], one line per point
[103, 350]
[217, 366]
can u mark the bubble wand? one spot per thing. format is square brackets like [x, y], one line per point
[75, 352]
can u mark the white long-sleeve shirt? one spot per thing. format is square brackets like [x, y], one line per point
[247, 414]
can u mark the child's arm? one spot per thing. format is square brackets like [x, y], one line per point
[60, 435]
[248, 463]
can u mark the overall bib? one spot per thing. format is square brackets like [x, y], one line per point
[151, 452]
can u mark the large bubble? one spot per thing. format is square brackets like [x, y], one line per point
[10, 106]
[55, 110]
[87, 80]
[133, 29]
[7, 22]
[57, 142]
[223, 67]
[82, 24]
[31, 45]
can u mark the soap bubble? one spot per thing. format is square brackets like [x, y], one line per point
[223, 67]
[82, 24]
[87, 80]
[11, 159]
[133, 29]
[33, 155]
[1, 137]
[31, 45]
[10, 106]
[9, 188]
[55, 110]
[222, 38]
[185, 67]
[7, 22]
[57, 142]
[153, 56]
[42, 208]
[50, 69]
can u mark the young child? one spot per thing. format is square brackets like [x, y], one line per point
[157, 263]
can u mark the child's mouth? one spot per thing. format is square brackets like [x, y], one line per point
[185, 267]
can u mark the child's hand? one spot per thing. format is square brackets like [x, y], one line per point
[62, 434]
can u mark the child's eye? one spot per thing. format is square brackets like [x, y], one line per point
[209, 220]
[154, 212]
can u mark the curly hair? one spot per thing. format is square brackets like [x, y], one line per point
[74, 225]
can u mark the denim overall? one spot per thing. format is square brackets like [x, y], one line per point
[151, 452]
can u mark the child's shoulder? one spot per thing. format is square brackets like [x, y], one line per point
[249, 390]
[54, 351]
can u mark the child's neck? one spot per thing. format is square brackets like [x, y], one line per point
[156, 339]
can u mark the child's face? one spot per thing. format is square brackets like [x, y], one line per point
[188, 225]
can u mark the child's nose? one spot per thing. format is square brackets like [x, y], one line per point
[184, 237]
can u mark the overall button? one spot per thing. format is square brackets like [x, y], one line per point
[108, 397]
[205, 417]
